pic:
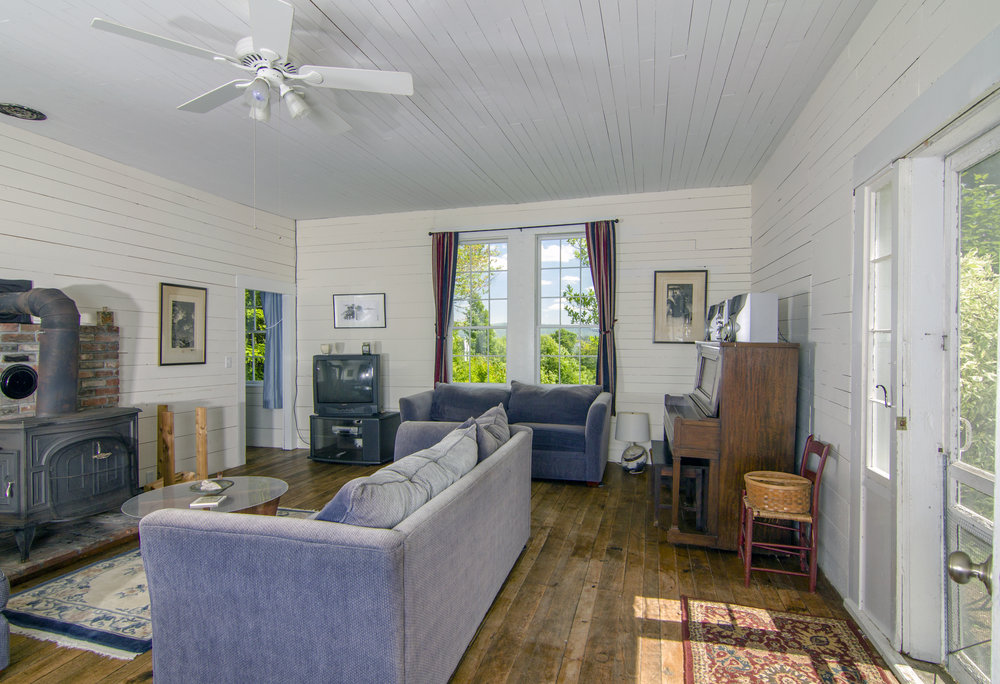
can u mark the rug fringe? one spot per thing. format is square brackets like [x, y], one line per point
[70, 642]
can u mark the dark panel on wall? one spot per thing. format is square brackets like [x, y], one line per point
[15, 286]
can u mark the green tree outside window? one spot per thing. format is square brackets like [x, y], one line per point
[479, 314]
[568, 334]
[255, 330]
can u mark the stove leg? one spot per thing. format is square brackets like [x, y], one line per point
[24, 538]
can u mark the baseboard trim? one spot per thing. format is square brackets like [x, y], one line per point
[897, 663]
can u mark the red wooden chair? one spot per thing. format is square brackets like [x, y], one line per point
[801, 526]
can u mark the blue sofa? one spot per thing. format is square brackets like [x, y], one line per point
[570, 423]
[250, 598]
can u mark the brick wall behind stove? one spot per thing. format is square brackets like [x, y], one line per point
[98, 386]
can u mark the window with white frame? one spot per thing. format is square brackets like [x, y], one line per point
[567, 312]
[479, 314]
[524, 309]
[256, 328]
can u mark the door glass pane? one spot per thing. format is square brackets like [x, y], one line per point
[970, 490]
[881, 290]
[970, 616]
[881, 415]
[880, 428]
[980, 256]
[975, 500]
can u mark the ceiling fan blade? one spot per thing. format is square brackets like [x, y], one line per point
[369, 80]
[128, 32]
[328, 121]
[215, 98]
[271, 25]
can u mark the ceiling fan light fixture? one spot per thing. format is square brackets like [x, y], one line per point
[259, 92]
[258, 95]
[296, 104]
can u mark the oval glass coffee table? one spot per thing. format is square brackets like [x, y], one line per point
[258, 495]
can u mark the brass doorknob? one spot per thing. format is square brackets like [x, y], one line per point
[961, 569]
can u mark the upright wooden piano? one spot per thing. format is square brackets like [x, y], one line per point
[754, 430]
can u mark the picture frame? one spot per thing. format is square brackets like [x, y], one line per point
[183, 318]
[359, 310]
[679, 306]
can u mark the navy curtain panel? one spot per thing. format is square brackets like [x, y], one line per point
[272, 349]
[601, 250]
[444, 247]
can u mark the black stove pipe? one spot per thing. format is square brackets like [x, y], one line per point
[58, 346]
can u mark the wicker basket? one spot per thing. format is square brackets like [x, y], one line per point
[782, 492]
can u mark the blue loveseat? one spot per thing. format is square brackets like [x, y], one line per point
[570, 423]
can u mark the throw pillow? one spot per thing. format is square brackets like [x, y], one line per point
[457, 452]
[564, 404]
[390, 495]
[383, 499]
[492, 431]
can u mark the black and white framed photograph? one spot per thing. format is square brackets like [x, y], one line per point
[359, 310]
[679, 305]
[183, 317]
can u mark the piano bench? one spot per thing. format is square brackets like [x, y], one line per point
[691, 475]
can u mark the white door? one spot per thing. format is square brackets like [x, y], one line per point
[877, 590]
[973, 190]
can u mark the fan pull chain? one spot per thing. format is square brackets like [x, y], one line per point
[253, 163]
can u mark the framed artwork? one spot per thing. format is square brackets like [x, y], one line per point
[679, 305]
[359, 310]
[182, 324]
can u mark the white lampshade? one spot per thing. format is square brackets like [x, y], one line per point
[258, 95]
[632, 427]
[297, 106]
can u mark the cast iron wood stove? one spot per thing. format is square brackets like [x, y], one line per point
[62, 464]
[55, 468]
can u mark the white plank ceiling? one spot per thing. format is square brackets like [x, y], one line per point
[515, 100]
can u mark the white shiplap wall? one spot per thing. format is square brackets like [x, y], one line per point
[802, 216]
[391, 253]
[264, 427]
[108, 235]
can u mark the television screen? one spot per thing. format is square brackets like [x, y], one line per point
[344, 381]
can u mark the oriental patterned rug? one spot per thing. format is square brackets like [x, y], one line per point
[102, 607]
[729, 643]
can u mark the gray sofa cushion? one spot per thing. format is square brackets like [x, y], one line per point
[388, 496]
[460, 401]
[565, 404]
[492, 431]
[557, 437]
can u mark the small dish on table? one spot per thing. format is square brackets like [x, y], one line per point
[217, 486]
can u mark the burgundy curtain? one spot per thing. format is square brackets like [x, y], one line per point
[601, 250]
[444, 247]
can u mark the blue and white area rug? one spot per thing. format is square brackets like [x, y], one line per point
[102, 607]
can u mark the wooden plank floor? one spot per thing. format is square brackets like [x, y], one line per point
[593, 598]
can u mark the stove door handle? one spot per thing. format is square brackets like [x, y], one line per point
[101, 454]
[9, 491]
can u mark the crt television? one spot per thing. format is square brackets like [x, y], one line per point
[346, 384]
[708, 373]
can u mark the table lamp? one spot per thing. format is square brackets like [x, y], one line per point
[633, 427]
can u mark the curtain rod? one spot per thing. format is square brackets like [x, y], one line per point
[548, 225]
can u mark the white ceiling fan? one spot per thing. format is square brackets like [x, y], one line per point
[264, 56]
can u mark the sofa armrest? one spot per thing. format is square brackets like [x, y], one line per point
[263, 595]
[414, 435]
[416, 406]
[598, 433]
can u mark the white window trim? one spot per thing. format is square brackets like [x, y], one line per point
[523, 273]
[250, 383]
[451, 328]
[537, 295]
